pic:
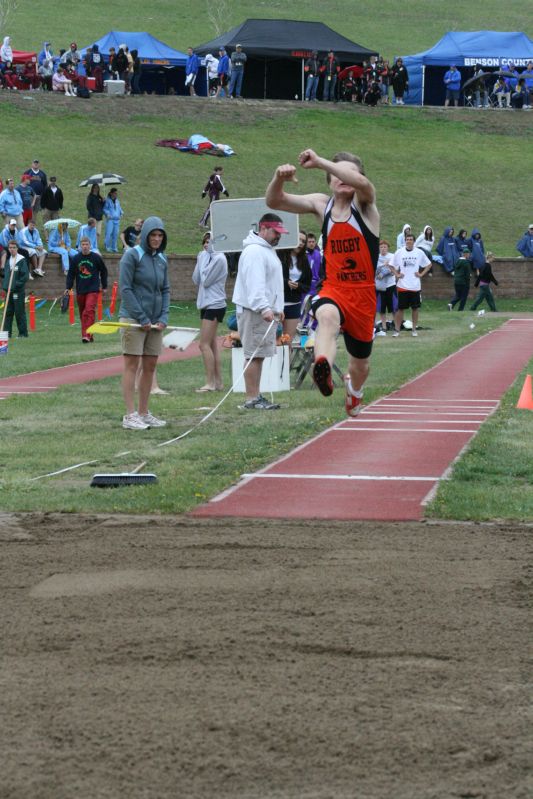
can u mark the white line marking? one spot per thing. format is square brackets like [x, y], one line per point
[25, 388]
[518, 319]
[436, 400]
[410, 421]
[343, 477]
[428, 408]
[401, 430]
[482, 414]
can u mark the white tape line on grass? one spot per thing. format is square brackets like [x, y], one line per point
[177, 438]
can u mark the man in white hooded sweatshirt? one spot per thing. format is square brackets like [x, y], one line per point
[259, 298]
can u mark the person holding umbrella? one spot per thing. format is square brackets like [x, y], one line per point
[95, 207]
[112, 211]
[59, 241]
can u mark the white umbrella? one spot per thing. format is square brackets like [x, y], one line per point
[63, 221]
[104, 179]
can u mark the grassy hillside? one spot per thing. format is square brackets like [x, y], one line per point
[391, 27]
[430, 166]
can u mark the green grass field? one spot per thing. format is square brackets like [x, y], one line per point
[392, 29]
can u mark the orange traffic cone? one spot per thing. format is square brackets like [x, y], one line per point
[525, 400]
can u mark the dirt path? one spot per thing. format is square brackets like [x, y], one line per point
[169, 657]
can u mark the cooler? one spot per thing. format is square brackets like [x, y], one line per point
[115, 86]
[90, 83]
[275, 374]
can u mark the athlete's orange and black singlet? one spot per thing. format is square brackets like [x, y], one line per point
[351, 253]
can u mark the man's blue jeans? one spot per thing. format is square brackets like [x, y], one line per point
[329, 87]
[235, 82]
[311, 87]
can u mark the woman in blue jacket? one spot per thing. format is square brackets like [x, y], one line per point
[112, 212]
[448, 251]
[477, 248]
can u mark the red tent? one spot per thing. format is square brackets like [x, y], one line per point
[20, 57]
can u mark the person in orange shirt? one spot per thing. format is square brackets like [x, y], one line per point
[346, 298]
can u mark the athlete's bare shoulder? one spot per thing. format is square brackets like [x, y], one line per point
[370, 215]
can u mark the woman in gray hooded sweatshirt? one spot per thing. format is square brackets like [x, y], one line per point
[210, 276]
[145, 300]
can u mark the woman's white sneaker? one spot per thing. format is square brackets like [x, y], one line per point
[151, 421]
[132, 421]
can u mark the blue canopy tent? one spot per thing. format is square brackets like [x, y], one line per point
[163, 68]
[492, 49]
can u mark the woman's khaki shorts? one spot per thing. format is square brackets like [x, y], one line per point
[252, 328]
[140, 342]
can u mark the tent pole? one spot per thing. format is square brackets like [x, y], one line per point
[265, 82]
[423, 82]
[303, 81]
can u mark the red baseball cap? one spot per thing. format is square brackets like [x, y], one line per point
[277, 226]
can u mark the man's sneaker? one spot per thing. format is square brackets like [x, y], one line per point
[396, 334]
[450, 306]
[322, 376]
[381, 333]
[151, 421]
[38, 272]
[352, 404]
[260, 403]
[132, 421]
[414, 333]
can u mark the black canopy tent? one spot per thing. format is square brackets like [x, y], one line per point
[277, 50]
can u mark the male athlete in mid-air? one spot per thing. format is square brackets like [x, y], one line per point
[346, 297]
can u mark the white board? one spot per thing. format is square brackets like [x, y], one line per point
[275, 375]
[232, 220]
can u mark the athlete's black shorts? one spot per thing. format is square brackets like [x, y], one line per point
[292, 311]
[408, 299]
[213, 314]
[355, 347]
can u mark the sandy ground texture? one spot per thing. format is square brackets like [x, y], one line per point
[164, 657]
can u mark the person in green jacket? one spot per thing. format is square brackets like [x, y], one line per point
[461, 280]
[16, 303]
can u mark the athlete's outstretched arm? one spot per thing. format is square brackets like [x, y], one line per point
[345, 171]
[278, 199]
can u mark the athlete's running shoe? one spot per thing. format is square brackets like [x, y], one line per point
[322, 376]
[352, 404]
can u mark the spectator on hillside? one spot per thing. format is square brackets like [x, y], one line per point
[95, 67]
[9, 76]
[448, 251]
[527, 75]
[479, 88]
[8, 233]
[29, 77]
[95, 207]
[213, 188]
[426, 241]
[477, 248]
[130, 236]
[350, 89]
[223, 72]
[6, 52]
[121, 66]
[484, 279]
[502, 91]
[399, 78]
[46, 72]
[71, 56]
[452, 81]
[312, 70]
[60, 242]
[513, 70]
[330, 68]
[372, 71]
[30, 239]
[113, 212]
[129, 72]
[11, 204]
[46, 54]
[88, 231]
[137, 73]
[28, 198]
[373, 94]
[38, 182]
[520, 96]
[51, 201]
[211, 64]
[461, 239]
[191, 70]
[400, 238]
[61, 82]
[525, 245]
[384, 69]
[238, 62]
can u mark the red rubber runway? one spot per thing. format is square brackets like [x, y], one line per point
[50, 379]
[387, 463]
